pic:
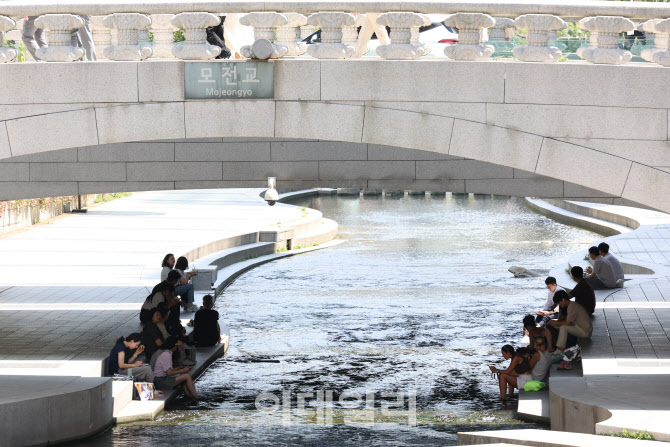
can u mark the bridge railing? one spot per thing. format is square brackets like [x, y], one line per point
[129, 31]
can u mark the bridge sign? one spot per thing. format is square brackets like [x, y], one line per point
[229, 80]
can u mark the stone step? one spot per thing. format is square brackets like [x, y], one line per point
[122, 392]
[547, 438]
[211, 264]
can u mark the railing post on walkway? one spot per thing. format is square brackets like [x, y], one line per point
[195, 26]
[127, 26]
[331, 46]
[102, 36]
[264, 46]
[660, 40]
[537, 38]
[59, 37]
[6, 54]
[163, 30]
[663, 57]
[470, 27]
[401, 24]
[606, 49]
[289, 35]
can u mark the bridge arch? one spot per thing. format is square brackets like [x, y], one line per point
[494, 112]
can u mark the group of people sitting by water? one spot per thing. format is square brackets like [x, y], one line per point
[163, 343]
[565, 317]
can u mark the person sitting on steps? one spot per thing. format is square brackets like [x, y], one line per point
[206, 329]
[577, 322]
[165, 371]
[162, 292]
[548, 311]
[604, 250]
[507, 379]
[184, 288]
[582, 293]
[123, 358]
[601, 276]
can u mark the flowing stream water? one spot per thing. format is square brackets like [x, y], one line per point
[417, 301]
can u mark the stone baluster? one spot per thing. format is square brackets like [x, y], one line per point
[663, 29]
[102, 36]
[498, 31]
[606, 49]
[163, 30]
[537, 48]
[660, 40]
[470, 27]
[128, 47]
[593, 36]
[195, 26]
[401, 46]
[264, 46]
[350, 32]
[289, 35]
[6, 54]
[415, 34]
[331, 46]
[58, 28]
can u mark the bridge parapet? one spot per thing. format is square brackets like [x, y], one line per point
[276, 22]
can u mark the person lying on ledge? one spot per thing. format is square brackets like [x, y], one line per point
[167, 376]
[582, 293]
[507, 379]
[123, 357]
[601, 276]
[577, 322]
[206, 329]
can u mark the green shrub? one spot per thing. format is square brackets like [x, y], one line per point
[641, 435]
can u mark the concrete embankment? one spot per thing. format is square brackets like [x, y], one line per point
[81, 322]
[625, 378]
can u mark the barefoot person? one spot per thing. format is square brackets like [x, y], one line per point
[519, 365]
[165, 371]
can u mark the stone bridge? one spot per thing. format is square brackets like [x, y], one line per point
[565, 129]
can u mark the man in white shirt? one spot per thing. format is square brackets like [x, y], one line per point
[616, 265]
[547, 312]
[601, 276]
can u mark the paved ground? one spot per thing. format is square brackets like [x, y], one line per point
[70, 288]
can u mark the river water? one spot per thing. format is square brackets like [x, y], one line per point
[418, 301]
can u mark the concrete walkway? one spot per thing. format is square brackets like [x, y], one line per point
[626, 364]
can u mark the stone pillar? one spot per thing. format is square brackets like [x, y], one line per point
[498, 31]
[264, 24]
[6, 54]
[195, 26]
[331, 46]
[660, 40]
[537, 48]
[290, 35]
[102, 36]
[58, 28]
[663, 28]
[128, 47]
[469, 46]
[163, 30]
[401, 46]
[350, 32]
[606, 49]
[415, 34]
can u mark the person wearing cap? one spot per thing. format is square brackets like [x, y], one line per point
[168, 377]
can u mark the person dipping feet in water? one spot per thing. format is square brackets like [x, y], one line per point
[166, 373]
[520, 364]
